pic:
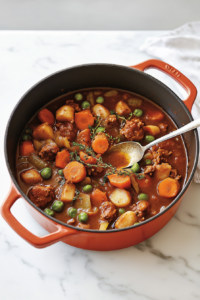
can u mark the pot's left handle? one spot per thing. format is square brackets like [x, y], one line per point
[36, 241]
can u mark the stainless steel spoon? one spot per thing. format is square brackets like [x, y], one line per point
[135, 151]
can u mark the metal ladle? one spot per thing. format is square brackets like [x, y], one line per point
[136, 152]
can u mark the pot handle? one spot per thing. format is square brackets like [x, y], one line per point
[175, 74]
[36, 241]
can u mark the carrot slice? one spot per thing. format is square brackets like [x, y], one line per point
[46, 116]
[100, 144]
[62, 159]
[120, 181]
[83, 119]
[74, 172]
[97, 197]
[87, 159]
[84, 137]
[168, 187]
[144, 181]
[154, 115]
[26, 148]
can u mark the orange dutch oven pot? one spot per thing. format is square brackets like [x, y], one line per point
[132, 79]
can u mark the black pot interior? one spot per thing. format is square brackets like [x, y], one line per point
[98, 75]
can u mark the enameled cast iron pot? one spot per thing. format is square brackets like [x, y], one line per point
[98, 75]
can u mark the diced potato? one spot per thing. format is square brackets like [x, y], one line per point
[38, 145]
[31, 176]
[61, 141]
[111, 93]
[65, 113]
[101, 111]
[104, 226]
[134, 101]
[90, 98]
[154, 115]
[83, 202]
[66, 143]
[68, 192]
[127, 219]
[162, 171]
[43, 132]
[86, 181]
[120, 197]
[122, 108]
[152, 129]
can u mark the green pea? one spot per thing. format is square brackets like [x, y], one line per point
[72, 212]
[121, 211]
[87, 188]
[57, 206]
[79, 97]
[135, 168]
[149, 138]
[100, 100]
[60, 172]
[49, 212]
[138, 112]
[46, 173]
[83, 217]
[86, 104]
[26, 137]
[148, 162]
[143, 196]
[28, 131]
[100, 129]
[136, 223]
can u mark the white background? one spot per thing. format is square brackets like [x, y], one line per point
[97, 14]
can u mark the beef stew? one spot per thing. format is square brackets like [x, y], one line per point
[63, 166]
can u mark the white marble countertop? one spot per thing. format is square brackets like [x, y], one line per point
[167, 266]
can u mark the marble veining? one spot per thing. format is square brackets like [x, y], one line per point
[167, 266]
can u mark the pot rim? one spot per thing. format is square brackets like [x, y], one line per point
[132, 69]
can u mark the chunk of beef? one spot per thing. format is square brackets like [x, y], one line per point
[174, 174]
[111, 121]
[141, 208]
[149, 170]
[67, 129]
[160, 155]
[108, 211]
[74, 105]
[163, 127]
[133, 130]
[40, 195]
[49, 151]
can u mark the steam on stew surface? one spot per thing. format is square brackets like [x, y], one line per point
[63, 168]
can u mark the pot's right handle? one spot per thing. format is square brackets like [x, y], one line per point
[36, 241]
[175, 74]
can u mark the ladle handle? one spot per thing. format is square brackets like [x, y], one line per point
[192, 125]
